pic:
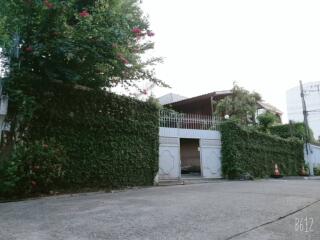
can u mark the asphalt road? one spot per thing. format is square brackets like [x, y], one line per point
[266, 209]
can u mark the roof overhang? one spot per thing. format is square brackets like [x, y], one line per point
[207, 96]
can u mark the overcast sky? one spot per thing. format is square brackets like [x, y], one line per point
[265, 46]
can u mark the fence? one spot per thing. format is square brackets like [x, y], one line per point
[171, 119]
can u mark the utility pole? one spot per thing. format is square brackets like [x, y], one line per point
[306, 124]
[305, 114]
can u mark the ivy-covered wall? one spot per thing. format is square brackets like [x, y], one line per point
[110, 140]
[291, 130]
[255, 153]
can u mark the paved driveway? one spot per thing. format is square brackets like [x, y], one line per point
[266, 209]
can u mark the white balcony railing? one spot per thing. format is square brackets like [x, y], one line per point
[171, 119]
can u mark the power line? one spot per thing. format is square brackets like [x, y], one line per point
[315, 110]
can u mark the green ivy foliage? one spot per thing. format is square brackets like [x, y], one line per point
[96, 43]
[108, 140]
[291, 130]
[266, 120]
[241, 105]
[251, 152]
[34, 167]
[9, 177]
[111, 140]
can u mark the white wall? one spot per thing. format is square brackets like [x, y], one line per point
[313, 157]
[189, 133]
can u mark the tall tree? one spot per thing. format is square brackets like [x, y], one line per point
[241, 105]
[96, 43]
[266, 120]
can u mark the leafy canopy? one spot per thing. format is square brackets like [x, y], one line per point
[266, 120]
[241, 105]
[96, 43]
[296, 130]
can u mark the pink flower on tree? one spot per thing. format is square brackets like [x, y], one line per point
[84, 13]
[136, 30]
[48, 4]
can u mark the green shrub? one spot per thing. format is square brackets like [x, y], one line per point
[34, 167]
[9, 177]
[266, 120]
[316, 170]
[255, 153]
[290, 130]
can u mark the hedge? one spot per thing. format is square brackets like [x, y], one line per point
[246, 151]
[291, 130]
[105, 140]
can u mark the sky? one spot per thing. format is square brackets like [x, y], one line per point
[265, 46]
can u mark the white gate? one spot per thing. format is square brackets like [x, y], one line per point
[210, 154]
[169, 152]
[169, 158]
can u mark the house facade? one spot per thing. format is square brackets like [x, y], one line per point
[190, 145]
[190, 141]
[205, 104]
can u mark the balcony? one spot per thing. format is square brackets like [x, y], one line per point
[171, 119]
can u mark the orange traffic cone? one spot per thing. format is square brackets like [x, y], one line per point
[276, 170]
[303, 172]
[276, 173]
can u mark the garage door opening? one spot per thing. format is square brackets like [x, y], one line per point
[190, 157]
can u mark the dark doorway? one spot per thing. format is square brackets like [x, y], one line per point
[190, 157]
